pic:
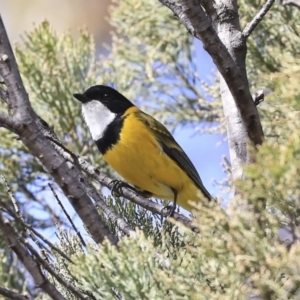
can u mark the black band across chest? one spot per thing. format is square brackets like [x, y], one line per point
[111, 135]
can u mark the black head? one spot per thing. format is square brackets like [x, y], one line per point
[108, 96]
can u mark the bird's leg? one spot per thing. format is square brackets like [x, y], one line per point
[172, 207]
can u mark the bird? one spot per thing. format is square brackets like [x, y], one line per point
[140, 149]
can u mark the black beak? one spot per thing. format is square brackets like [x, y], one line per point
[81, 97]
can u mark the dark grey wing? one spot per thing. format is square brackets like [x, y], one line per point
[173, 150]
[185, 163]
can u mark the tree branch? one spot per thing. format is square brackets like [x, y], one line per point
[32, 137]
[12, 239]
[295, 3]
[199, 25]
[256, 20]
[8, 294]
[67, 215]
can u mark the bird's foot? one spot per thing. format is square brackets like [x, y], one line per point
[117, 185]
[170, 208]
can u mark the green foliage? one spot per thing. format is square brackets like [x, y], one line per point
[274, 43]
[231, 258]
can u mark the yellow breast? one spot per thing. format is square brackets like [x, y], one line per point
[140, 160]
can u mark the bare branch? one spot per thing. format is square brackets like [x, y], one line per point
[8, 294]
[199, 25]
[256, 20]
[295, 3]
[13, 241]
[41, 148]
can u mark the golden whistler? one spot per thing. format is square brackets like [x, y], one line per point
[140, 148]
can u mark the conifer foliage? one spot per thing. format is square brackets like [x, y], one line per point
[127, 248]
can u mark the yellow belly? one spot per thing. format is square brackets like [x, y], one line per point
[138, 158]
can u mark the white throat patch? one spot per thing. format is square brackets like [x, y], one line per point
[97, 117]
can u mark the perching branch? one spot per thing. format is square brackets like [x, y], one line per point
[256, 20]
[127, 193]
[25, 124]
[13, 241]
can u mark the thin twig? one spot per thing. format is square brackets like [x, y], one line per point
[6, 209]
[8, 294]
[19, 215]
[44, 204]
[256, 20]
[67, 215]
[13, 240]
[227, 164]
[47, 267]
[11, 196]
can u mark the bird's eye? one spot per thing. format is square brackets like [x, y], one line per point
[105, 95]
